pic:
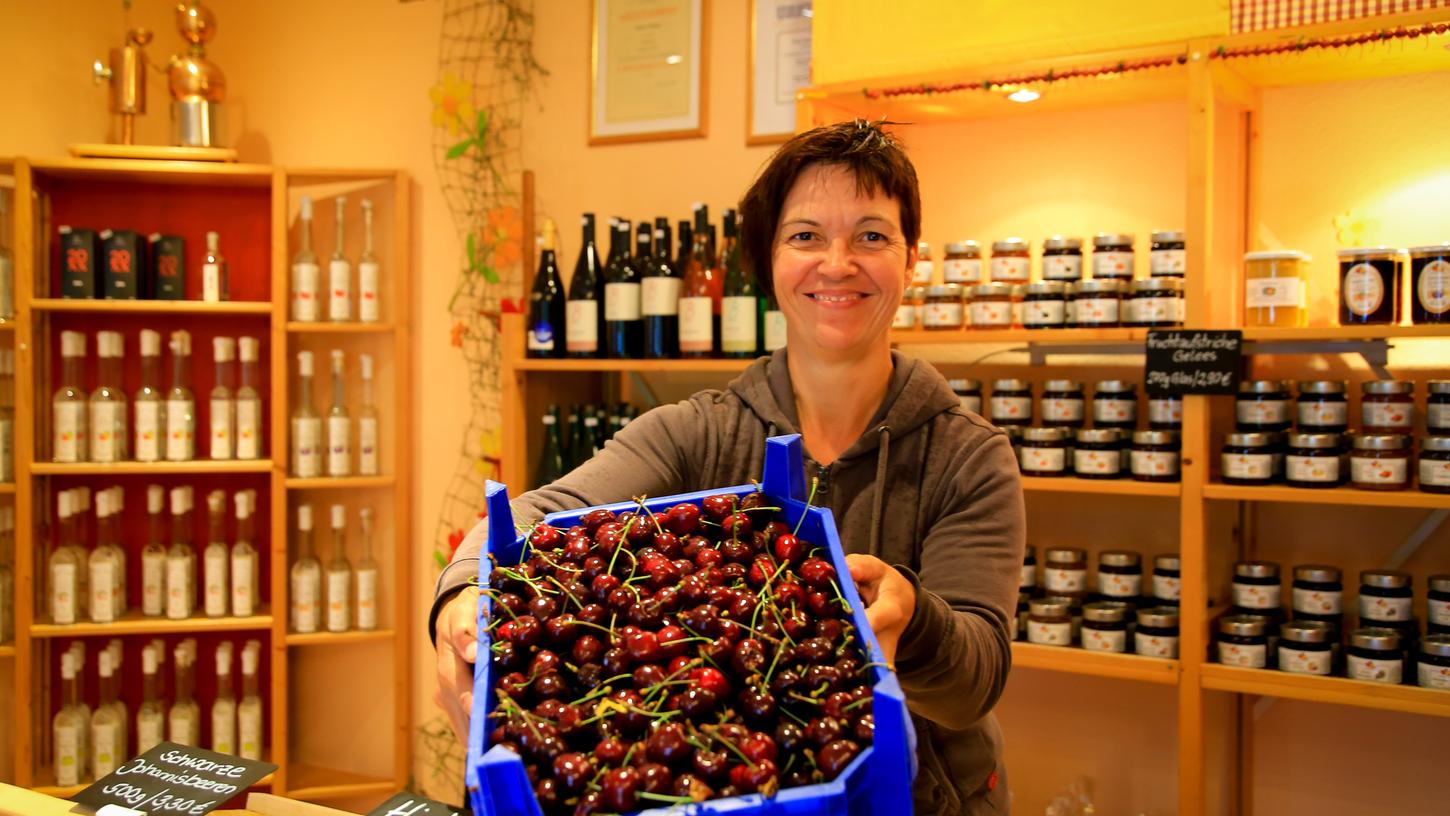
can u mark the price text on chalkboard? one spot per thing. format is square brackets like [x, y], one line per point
[175, 779]
[1193, 362]
[411, 804]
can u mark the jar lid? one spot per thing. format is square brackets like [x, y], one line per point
[964, 248]
[1155, 438]
[1385, 579]
[1112, 239]
[1438, 386]
[1165, 398]
[992, 290]
[1388, 387]
[1114, 386]
[1010, 245]
[1385, 442]
[1159, 284]
[1050, 607]
[1314, 440]
[1018, 290]
[923, 250]
[1247, 440]
[1106, 612]
[1022, 599]
[917, 292]
[1167, 236]
[1242, 625]
[1162, 617]
[964, 384]
[1098, 435]
[1061, 242]
[1044, 434]
[1047, 288]
[1278, 255]
[951, 290]
[1438, 444]
[1029, 554]
[1380, 252]
[1439, 583]
[1256, 569]
[1166, 561]
[1062, 385]
[1317, 574]
[1263, 386]
[1011, 385]
[1430, 250]
[1098, 286]
[1381, 640]
[1066, 555]
[1321, 386]
[1119, 558]
[1435, 645]
[1306, 631]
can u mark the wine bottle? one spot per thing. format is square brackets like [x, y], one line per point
[215, 559]
[583, 318]
[306, 424]
[215, 280]
[224, 707]
[774, 325]
[697, 320]
[339, 424]
[65, 566]
[104, 563]
[551, 461]
[367, 422]
[183, 722]
[305, 271]
[249, 403]
[244, 556]
[547, 302]
[660, 298]
[68, 760]
[739, 306]
[181, 558]
[153, 555]
[108, 726]
[338, 581]
[623, 327]
[581, 445]
[151, 714]
[305, 611]
[249, 711]
[367, 575]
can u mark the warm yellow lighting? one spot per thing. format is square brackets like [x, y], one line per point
[674, 59]
[1024, 95]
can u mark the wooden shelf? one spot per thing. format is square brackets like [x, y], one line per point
[311, 783]
[1344, 333]
[8, 650]
[7, 487]
[999, 336]
[1098, 664]
[151, 171]
[340, 638]
[195, 467]
[642, 366]
[1336, 690]
[339, 483]
[1344, 496]
[339, 328]
[157, 307]
[134, 623]
[1111, 487]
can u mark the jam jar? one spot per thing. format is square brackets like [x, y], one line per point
[1243, 641]
[1262, 406]
[945, 308]
[1276, 288]
[1157, 632]
[1256, 589]
[1165, 412]
[1011, 402]
[1105, 626]
[1435, 464]
[1154, 303]
[1049, 621]
[1063, 404]
[1430, 284]
[1019, 294]
[1113, 256]
[1065, 572]
[924, 271]
[1369, 286]
[1387, 407]
[1437, 604]
[1011, 261]
[1380, 462]
[1023, 601]
[1322, 407]
[1248, 459]
[1096, 303]
[1044, 452]
[1316, 461]
[1120, 576]
[1434, 664]
[1306, 647]
[1115, 404]
[1376, 655]
[1385, 598]
[991, 306]
[1437, 408]
[1044, 305]
[1098, 454]
[1317, 594]
[1155, 456]
[1014, 436]
[918, 296]
[969, 394]
[1166, 255]
[1028, 584]
[905, 317]
[1167, 580]
[1062, 259]
[963, 263]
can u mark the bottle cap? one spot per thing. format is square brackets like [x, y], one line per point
[224, 658]
[249, 658]
[365, 362]
[181, 342]
[341, 203]
[109, 344]
[150, 343]
[155, 499]
[248, 347]
[103, 664]
[103, 504]
[212, 242]
[148, 659]
[304, 363]
[180, 500]
[243, 501]
[337, 359]
[224, 349]
[307, 208]
[72, 344]
[216, 501]
[304, 517]
[367, 206]
[339, 517]
[65, 504]
[366, 514]
[68, 666]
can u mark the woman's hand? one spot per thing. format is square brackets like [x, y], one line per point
[890, 599]
[457, 648]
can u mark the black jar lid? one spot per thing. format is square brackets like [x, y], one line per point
[1106, 612]
[1062, 385]
[1435, 645]
[1044, 435]
[1388, 387]
[1438, 386]
[1058, 288]
[1318, 574]
[1248, 440]
[1010, 245]
[964, 384]
[1119, 558]
[1315, 440]
[1376, 638]
[1439, 583]
[1430, 250]
[1162, 617]
[1306, 631]
[1256, 569]
[1062, 242]
[1382, 442]
[1166, 561]
[1112, 239]
[1155, 438]
[1321, 386]
[1092, 436]
[1368, 253]
[1051, 607]
[1385, 579]
[1066, 555]
[1011, 385]
[1243, 625]
[1168, 236]
[1114, 387]
[1263, 386]
[1159, 284]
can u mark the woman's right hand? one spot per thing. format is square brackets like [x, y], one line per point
[457, 649]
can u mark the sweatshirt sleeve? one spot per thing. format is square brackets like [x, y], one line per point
[953, 658]
[648, 457]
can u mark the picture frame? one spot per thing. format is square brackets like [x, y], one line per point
[648, 70]
[778, 66]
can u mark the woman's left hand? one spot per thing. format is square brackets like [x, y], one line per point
[890, 599]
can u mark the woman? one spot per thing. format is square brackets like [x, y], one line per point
[926, 495]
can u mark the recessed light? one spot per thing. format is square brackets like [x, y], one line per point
[1024, 95]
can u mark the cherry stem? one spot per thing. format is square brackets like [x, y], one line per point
[815, 482]
[661, 797]
[788, 713]
[728, 744]
[856, 704]
[562, 588]
[639, 500]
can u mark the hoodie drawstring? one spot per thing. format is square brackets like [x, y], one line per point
[883, 451]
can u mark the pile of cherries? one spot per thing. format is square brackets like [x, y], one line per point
[648, 659]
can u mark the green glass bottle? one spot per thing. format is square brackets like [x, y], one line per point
[551, 460]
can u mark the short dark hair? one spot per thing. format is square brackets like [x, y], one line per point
[873, 157]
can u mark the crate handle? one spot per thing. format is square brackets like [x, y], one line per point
[785, 474]
[504, 542]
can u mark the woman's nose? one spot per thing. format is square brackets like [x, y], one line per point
[838, 262]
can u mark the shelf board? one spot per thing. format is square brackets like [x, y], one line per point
[311, 783]
[340, 638]
[155, 171]
[1345, 333]
[194, 467]
[339, 328]
[7, 487]
[158, 307]
[1334, 495]
[339, 483]
[1099, 664]
[134, 623]
[8, 650]
[1111, 487]
[1336, 690]
[999, 336]
[643, 366]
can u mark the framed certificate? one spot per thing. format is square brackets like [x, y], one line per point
[780, 65]
[648, 71]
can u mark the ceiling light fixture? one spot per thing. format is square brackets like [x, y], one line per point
[1024, 95]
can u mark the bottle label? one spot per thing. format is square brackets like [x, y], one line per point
[70, 425]
[249, 429]
[1170, 262]
[1155, 310]
[368, 304]
[1120, 585]
[1029, 576]
[540, 337]
[943, 315]
[905, 316]
[581, 326]
[1063, 409]
[68, 758]
[1255, 596]
[367, 599]
[1101, 462]
[249, 734]
[223, 727]
[180, 431]
[1156, 645]
[1296, 661]
[367, 446]
[153, 583]
[622, 301]
[775, 337]
[697, 332]
[182, 726]
[1105, 640]
[1115, 410]
[105, 748]
[1129, 310]
[1392, 415]
[1363, 289]
[1064, 580]
[1044, 460]
[1049, 634]
[1273, 292]
[179, 575]
[1435, 473]
[1165, 411]
[102, 585]
[1044, 313]
[307, 446]
[106, 431]
[1255, 466]
[1378, 470]
[148, 430]
[1249, 656]
[304, 292]
[970, 403]
[1093, 311]
[1011, 408]
[243, 597]
[660, 296]
[149, 730]
[1062, 267]
[1435, 677]
[1261, 412]
[1321, 414]
[214, 581]
[1311, 468]
[306, 616]
[1390, 670]
[1112, 264]
[339, 446]
[962, 270]
[338, 589]
[922, 273]
[211, 283]
[992, 313]
[737, 323]
[222, 423]
[1011, 269]
[1318, 601]
[63, 593]
[1380, 608]
[1166, 587]
[1439, 612]
[1434, 287]
[1437, 416]
[339, 290]
[1153, 463]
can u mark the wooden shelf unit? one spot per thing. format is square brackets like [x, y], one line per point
[1098, 664]
[259, 308]
[133, 623]
[196, 467]
[1334, 690]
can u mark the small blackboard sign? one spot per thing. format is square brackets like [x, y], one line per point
[1193, 362]
[175, 779]
[411, 804]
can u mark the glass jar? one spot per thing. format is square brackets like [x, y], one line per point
[1065, 572]
[1167, 580]
[1120, 575]
[944, 307]
[1166, 255]
[1049, 621]
[1257, 589]
[1380, 462]
[1098, 454]
[1434, 663]
[924, 271]
[1044, 452]
[1322, 407]
[1435, 464]
[1115, 404]
[1385, 598]
[1316, 461]
[1243, 641]
[1019, 295]
[1306, 647]
[1165, 412]
[1276, 289]
[991, 306]
[1369, 286]
[1096, 303]
[1028, 584]
[1430, 283]
[1011, 261]
[1023, 600]
[1376, 655]
[963, 263]
[1247, 459]
[905, 317]
[918, 296]
[1437, 408]
[1014, 436]
[1062, 259]
[1113, 256]
[1105, 626]
[1262, 406]
[1387, 407]
[969, 394]
[1317, 594]
[1157, 632]
[1044, 305]
[1155, 457]
[1011, 402]
[1154, 303]
[1437, 604]
[1063, 404]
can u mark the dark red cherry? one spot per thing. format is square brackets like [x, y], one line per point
[864, 728]
[572, 771]
[693, 787]
[835, 756]
[620, 789]
[759, 747]
[718, 506]
[697, 702]
[546, 537]
[682, 519]
[749, 657]
[712, 680]
[824, 730]
[737, 525]
[672, 640]
[667, 744]
[817, 573]
[610, 751]
[561, 629]
[648, 676]
[757, 706]
[655, 778]
[751, 778]
[543, 607]
[711, 766]
[643, 647]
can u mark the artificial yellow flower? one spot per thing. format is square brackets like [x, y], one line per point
[453, 104]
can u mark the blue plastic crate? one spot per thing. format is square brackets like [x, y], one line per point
[878, 781]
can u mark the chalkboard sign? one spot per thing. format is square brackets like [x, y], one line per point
[175, 779]
[411, 804]
[1193, 362]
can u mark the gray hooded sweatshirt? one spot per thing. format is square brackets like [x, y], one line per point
[930, 488]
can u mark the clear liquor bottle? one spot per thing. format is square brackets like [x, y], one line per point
[108, 734]
[369, 303]
[105, 563]
[339, 424]
[80, 709]
[223, 405]
[367, 575]
[117, 542]
[224, 707]
[244, 556]
[7, 574]
[118, 662]
[67, 731]
[107, 407]
[368, 462]
[65, 567]
[305, 272]
[181, 558]
[305, 609]
[249, 402]
[339, 273]
[306, 424]
[7, 415]
[153, 555]
[216, 284]
[151, 714]
[339, 575]
[249, 711]
[149, 411]
[180, 402]
[183, 722]
[68, 405]
[215, 559]
[7, 262]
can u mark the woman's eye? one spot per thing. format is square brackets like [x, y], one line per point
[873, 237]
[803, 236]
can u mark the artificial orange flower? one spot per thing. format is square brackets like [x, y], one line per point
[504, 235]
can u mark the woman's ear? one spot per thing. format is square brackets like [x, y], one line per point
[910, 263]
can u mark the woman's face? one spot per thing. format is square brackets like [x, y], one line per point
[840, 261]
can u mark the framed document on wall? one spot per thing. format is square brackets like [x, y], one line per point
[648, 71]
[780, 65]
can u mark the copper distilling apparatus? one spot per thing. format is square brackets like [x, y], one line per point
[197, 84]
[126, 74]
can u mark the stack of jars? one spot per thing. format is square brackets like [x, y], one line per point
[1371, 280]
[1316, 449]
[1119, 615]
[1386, 647]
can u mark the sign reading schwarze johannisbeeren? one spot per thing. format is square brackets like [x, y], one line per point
[175, 779]
[1193, 362]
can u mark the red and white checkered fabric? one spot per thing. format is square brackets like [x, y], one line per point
[1263, 15]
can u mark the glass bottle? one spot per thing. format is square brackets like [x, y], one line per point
[115, 538]
[740, 303]
[7, 415]
[774, 320]
[107, 420]
[149, 411]
[367, 575]
[551, 461]
[215, 559]
[117, 705]
[68, 758]
[181, 558]
[105, 563]
[339, 425]
[583, 319]
[180, 404]
[216, 285]
[183, 722]
[369, 304]
[547, 302]
[367, 422]
[151, 714]
[660, 298]
[248, 403]
[306, 424]
[223, 406]
[305, 271]
[339, 272]
[108, 737]
[244, 556]
[66, 567]
[68, 405]
[698, 317]
[224, 707]
[580, 447]
[153, 555]
[623, 325]
[249, 711]
[80, 709]
[306, 578]
[339, 575]
[7, 574]
[7, 262]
